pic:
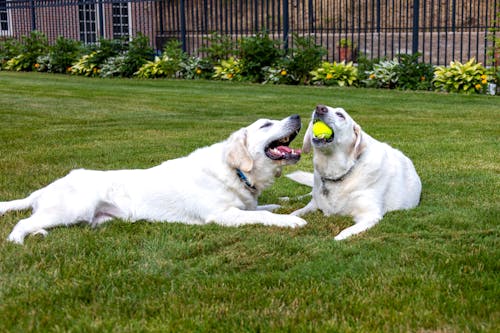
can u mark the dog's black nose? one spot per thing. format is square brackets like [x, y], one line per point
[321, 109]
[295, 117]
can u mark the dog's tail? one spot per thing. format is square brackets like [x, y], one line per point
[301, 177]
[19, 204]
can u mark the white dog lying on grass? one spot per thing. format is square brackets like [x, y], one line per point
[354, 174]
[219, 183]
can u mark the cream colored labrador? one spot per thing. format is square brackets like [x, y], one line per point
[219, 183]
[354, 174]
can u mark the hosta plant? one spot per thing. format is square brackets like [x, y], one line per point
[383, 75]
[160, 67]
[467, 78]
[335, 74]
[197, 68]
[87, 65]
[277, 75]
[228, 70]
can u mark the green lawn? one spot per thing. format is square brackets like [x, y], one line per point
[435, 268]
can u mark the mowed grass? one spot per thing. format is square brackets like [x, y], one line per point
[431, 269]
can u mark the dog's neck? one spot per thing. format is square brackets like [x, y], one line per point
[244, 179]
[341, 178]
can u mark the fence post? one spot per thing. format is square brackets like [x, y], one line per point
[101, 19]
[33, 16]
[285, 24]
[183, 25]
[416, 17]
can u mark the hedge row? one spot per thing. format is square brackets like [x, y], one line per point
[256, 59]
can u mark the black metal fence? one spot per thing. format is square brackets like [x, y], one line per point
[442, 30]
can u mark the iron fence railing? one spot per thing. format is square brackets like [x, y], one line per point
[442, 30]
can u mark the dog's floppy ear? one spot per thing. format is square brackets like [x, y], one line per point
[359, 145]
[237, 154]
[306, 144]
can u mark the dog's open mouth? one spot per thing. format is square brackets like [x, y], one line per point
[280, 150]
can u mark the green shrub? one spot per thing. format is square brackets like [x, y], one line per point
[30, 48]
[113, 66]
[302, 59]
[197, 68]
[337, 74]
[276, 74]
[383, 75]
[413, 75]
[467, 78]
[228, 70]
[61, 56]
[138, 53]
[255, 53]
[160, 67]
[88, 65]
[9, 49]
[218, 47]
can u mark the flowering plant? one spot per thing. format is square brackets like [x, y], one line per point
[87, 65]
[164, 66]
[228, 70]
[276, 75]
[467, 78]
[338, 74]
[383, 75]
[197, 68]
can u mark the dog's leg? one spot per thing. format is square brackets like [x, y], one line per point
[362, 223]
[35, 224]
[237, 217]
[269, 208]
[310, 207]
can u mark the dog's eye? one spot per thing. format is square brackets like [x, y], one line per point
[340, 115]
[268, 124]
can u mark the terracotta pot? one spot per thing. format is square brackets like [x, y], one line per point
[346, 53]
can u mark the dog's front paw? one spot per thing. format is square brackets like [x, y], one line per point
[295, 222]
[16, 237]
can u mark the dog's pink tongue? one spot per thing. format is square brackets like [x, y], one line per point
[288, 150]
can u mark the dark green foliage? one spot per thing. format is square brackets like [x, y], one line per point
[412, 74]
[64, 53]
[218, 47]
[257, 52]
[30, 48]
[107, 48]
[304, 57]
[139, 51]
[9, 48]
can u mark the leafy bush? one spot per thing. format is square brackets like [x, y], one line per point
[168, 65]
[9, 49]
[88, 65]
[276, 74]
[218, 48]
[302, 59]
[163, 66]
[413, 75]
[30, 48]
[228, 70]
[113, 66]
[60, 57]
[467, 78]
[383, 75]
[337, 74]
[139, 51]
[197, 68]
[255, 53]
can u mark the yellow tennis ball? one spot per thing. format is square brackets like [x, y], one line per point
[321, 130]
